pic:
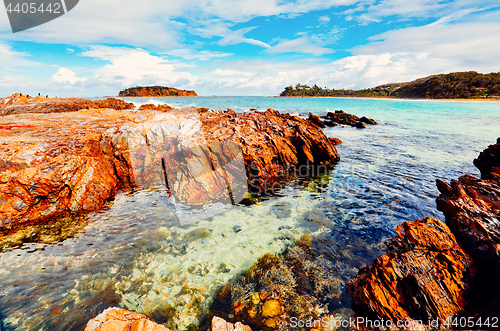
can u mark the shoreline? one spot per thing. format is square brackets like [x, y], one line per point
[391, 98]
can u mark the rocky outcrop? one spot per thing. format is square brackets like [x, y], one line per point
[424, 276]
[117, 319]
[150, 106]
[55, 165]
[472, 210]
[156, 91]
[339, 117]
[19, 104]
[438, 271]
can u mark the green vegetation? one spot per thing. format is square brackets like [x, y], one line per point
[462, 85]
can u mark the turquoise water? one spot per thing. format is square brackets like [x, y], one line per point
[136, 255]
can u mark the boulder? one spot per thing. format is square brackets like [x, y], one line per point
[367, 120]
[424, 276]
[154, 107]
[117, 319]
[316, 121]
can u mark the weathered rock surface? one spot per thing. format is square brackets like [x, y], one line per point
[156, 91]
[424, 276]
[22, 104]
[117, 319]
[54, 165]
[153, 107]
[472, 210]
[339, 117]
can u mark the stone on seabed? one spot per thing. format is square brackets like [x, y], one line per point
[219, 324]
[117, 319]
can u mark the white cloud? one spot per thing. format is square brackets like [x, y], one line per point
[324, 19]
[64, 75]
[237, 37]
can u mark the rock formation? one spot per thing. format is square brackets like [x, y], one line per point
[156, 91]
[472, 210]
[54, 165]
[117, 319]
[438, 271]
[153, 107]
[22, 104]
[339, 117]
[422, 277]
[219, 324]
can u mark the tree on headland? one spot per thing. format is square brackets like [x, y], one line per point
[463, 85]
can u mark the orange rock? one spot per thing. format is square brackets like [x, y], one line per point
[117, 319]
[53, 165]
[424, 276]
[153, 107]
[271, 308]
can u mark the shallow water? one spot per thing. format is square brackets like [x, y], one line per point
[136, 255]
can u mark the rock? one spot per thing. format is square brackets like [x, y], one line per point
[230, 111]
[329, 123]
[472, 210]
[156, 91]
[367, 120]
[335, 141]
[488, 162]
[219, 324]
[316, 121]
[153, 107]
[340, 117]
[360, 125]
[271, 308]
[77, 161]
[117, 319]
[236, 228]
[21, 105]
[424, 276]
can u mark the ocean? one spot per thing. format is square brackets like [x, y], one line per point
[135, 254]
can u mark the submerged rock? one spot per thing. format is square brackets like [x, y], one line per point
[117, 319]
[423, 277]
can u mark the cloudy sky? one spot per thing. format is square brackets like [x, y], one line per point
[242, 47]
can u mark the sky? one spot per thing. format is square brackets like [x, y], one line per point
[242, 47]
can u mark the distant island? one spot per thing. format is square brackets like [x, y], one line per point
[156, 91]
[457, 85]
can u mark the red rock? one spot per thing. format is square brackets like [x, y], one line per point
[117, 319]
[219, 324]
[472, 210]
[156, 91]
[16, 104]
[54, 165]
[424, 276]
[316, 121]
[153, 107]
[335, 141]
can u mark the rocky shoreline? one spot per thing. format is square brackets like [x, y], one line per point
[62, 158]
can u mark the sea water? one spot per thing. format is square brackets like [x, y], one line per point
[135, 254]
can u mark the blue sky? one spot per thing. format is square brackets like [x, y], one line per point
[241, 47]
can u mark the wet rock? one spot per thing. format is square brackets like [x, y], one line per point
[76, 161]
[16, 104]
[472, 210]
[156, 91]
[335, 141]
[150, 106]
[316, 121]
[424, 276]
[218, 324]
[236, 228]
[117, 319]
[341, 117]
[367, 120]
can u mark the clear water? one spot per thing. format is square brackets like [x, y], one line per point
[135, 254]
